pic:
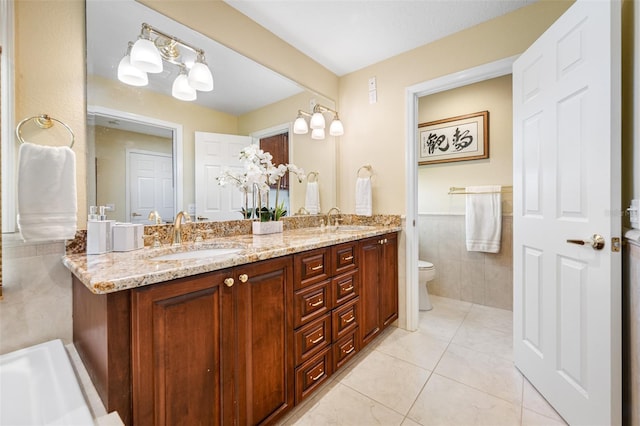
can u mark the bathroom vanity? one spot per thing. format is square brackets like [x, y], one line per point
[238, 338]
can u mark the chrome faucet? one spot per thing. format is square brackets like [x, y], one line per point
[177, 228]
[328, 216]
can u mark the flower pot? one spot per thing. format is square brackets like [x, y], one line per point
[261, 228]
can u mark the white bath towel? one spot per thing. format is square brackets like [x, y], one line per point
[312, 198]
[484, 218]
[47, 200]
[363, 196]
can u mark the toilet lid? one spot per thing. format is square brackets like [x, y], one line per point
[423, 264]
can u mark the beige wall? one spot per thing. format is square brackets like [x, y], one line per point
[375, 133]
[434, 180]
[49, 71]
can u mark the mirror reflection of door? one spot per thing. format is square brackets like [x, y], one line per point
[215, 152]
[278, 147]
[150, 185]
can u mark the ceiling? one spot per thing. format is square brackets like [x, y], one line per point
[347, 35]
[342, 35]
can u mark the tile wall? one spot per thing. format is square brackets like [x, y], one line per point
[37, 294]
[482, 278]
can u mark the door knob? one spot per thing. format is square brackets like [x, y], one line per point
[243, 278]
[134, 214]
[596, 242]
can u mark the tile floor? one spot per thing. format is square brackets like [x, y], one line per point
[456, 369]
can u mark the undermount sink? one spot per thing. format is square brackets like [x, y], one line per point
[352, 228]
[197, 254]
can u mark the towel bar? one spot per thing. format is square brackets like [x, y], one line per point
[314, 175]
[455, 190]
[43, 121]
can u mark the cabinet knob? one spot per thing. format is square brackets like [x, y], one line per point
[243, 278]
[228, 282]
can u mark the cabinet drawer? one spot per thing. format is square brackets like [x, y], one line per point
[312, 374]
[311, 267]
[344, 257]
[345, 319]
[344, 287]
[345, 349]
[311, 338]
[311, 303]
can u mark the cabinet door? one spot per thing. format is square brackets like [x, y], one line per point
[182, 361]
[370, 269]
[389, 280]
[264, 299]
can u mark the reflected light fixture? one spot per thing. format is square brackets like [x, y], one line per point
[317, 123]
[153, 47]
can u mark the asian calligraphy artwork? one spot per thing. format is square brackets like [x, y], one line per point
[465, 137]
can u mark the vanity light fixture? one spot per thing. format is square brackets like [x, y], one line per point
[153, 47]
[317, 123]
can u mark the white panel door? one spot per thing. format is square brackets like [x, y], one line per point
[150, 185]
[216, 152]
[567, 297]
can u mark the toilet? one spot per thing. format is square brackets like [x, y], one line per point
[426, 272]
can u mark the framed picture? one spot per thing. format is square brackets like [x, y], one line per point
[461, 138]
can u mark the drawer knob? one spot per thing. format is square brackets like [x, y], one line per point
[318, 303]
[316, 268]
[228, 282]
[243, 278]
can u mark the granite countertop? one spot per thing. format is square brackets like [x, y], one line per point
[110, 272]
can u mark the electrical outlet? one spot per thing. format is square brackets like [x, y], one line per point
[372, 84]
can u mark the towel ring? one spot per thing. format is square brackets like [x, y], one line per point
[366, 167]
[44, 122]
[315, 176]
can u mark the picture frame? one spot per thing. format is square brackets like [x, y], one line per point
[460, 138]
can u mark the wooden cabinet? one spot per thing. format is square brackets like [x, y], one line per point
[215, 348]
[240, 345]
[379, 284]
[326, 312]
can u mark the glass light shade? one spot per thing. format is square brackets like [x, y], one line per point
[145, 56]
[131, 75]
[300, 126]
[200, 77]
[317, 134]
[336, 128]
[317, 121]
[182, 90]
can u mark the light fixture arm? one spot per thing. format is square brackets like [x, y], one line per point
[171, 41]
[322, 108]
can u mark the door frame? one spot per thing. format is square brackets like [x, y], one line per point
[176, 129]
[412, 93]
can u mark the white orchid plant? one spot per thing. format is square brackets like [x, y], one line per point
[258, 174]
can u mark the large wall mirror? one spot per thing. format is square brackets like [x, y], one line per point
[128, 125]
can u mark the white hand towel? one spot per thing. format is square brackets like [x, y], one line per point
[363, 196]
[312, 198]
[47, 204]
[484, 218]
